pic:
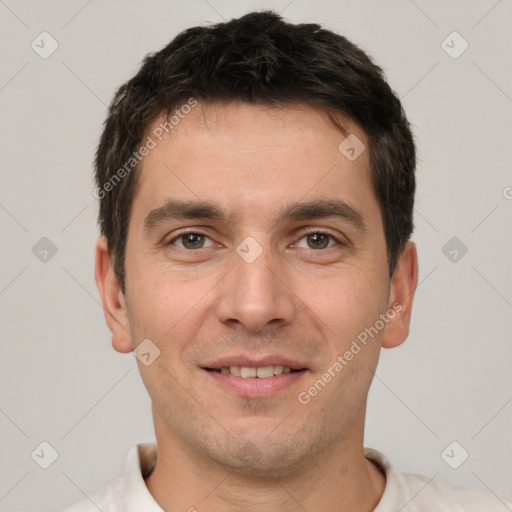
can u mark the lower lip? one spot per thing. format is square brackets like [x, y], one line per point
[254, 387]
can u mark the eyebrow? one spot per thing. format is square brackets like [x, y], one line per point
[175, 209]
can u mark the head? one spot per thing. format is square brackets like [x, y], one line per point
[236, 222]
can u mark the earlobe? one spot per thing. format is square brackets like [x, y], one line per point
[403, 286]
[113, 301]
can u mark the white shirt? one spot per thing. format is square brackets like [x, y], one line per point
[405, 492]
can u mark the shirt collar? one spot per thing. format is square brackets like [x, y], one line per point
[135, 495]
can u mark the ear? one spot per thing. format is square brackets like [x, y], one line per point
[403, 286]
[114, 305]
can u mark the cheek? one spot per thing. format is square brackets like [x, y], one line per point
[343, 313]
[170, 313]
[165, 306]
[345, 303]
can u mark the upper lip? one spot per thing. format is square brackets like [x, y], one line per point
[254, 361]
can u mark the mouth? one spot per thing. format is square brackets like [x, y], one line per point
[260, 372]
[255, 379]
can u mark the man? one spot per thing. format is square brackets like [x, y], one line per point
[256, 186]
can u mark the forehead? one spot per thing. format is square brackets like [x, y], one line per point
[252, 158]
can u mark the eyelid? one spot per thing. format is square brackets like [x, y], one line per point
[185, 232]
[338, 238]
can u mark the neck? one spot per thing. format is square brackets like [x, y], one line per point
[339, 479]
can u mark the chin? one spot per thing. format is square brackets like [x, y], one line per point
[249, 461]
[258, 456]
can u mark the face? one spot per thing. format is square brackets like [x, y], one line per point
[255, 244]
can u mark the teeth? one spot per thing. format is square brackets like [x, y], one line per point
[263, 372]
[234, 370]
[246, 372]
[278, 369]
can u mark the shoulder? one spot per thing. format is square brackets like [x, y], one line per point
[106, 498]
[129, 492]
[410, 492]
[426, 492]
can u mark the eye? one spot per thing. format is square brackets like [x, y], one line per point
[318, 240]
[191, 240]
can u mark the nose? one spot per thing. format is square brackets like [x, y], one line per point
[256, 294]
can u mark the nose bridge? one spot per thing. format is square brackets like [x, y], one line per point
[251, 293]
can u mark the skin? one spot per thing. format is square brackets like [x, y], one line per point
[309, 303]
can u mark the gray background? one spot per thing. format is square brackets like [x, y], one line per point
[61, 380]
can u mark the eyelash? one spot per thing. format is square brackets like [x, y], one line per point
[303, 234]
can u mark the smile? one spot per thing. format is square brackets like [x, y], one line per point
[255, 382]
[261, 372]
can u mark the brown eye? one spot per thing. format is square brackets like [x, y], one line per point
[318, 240]
[190, 241]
